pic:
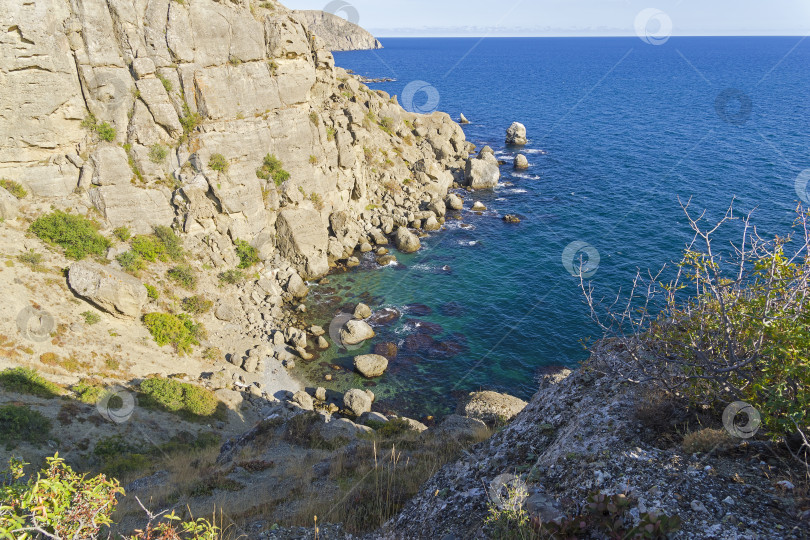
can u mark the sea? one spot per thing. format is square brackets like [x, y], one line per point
[622, 133]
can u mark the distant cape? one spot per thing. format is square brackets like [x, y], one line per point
[338, 33]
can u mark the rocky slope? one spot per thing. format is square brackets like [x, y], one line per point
[588, 432]
[337, 33]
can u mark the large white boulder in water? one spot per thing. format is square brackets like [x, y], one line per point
[355, 332]
[406, 241]
[482, 172]
[516, 134]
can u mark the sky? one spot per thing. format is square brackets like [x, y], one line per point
[392, 18]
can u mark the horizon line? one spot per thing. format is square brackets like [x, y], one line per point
[502, 36]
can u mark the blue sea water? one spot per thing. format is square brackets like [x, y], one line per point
[618, 130]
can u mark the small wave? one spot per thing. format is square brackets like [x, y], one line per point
[535, 151]
[423, 266]
[526, 176]
[501, 199]
[516, 190]
[468, 243]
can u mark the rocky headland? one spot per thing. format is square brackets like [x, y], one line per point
[337, 33]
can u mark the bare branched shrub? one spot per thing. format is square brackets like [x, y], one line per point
[732, 324]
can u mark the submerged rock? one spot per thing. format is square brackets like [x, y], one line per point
[384, 317]
[511, 218]
[386, 349]
[371, 365]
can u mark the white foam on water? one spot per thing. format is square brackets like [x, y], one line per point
[467, 243]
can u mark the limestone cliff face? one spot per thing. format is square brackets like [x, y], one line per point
[182, 81]
[337, 33]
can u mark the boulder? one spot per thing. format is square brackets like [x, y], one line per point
[320, 393]
[516, 134]
[374, 417]
[490, 407]
[370, 365]
[432, 224]
[303, 400]
[454, 202]
[438, 207]
[9, 205]
[521, 163]
[511, 218]
[482, 172]
[303, 240]
[462, 119]
[362, 311]
[137, 208]
[322, 343]
[355, 332]
[478, 206]
[296, 286]
[113, 291]
[357, 401]
[461, 428]
[225, 311]
[414, 425]
[341, 428]
[406, 241]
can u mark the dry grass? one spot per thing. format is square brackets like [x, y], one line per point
[706, 440]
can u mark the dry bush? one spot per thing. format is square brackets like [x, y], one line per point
[707, 440]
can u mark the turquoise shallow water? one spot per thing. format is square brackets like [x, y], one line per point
[618, 131]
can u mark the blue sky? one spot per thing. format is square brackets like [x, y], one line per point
[568, 17]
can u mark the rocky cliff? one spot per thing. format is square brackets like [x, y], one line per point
[120, 105]
[337, 33]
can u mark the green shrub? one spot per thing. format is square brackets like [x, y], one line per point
[184, 276]
[178, 330]
[272, 168]
[232, 277]
[197, 304]
[158, 153]
[152, 291]
[130, 261]
[20, 423]
[104, 130]
[179, 397]
[171, 242]
[190, 120]
[15, 188]
[167, 84]
[27, 381]
[330, 134]
[213, 354]
[248, 256]
[149, 247]
[30, 258]
[122, 233]
[91, 317]
[217, 162]
[76, 234]
[88, 391]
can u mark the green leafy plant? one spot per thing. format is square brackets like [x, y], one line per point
[272, 168]
[330, 134]
[103, 130]
[57, 500]
[184, 276]
[91, 317]
[148, 247]
[15, 188]
[189, 120]
[167, 84]
[213, 354]
[130, 261]
[217, 162]
[152, 291]
[21, 423]
[88, 391]
[27, 381]
[31, 259]
[180, 331]
[197, 304]
[232, 277]
[77, 235]
[179, 397]
[248, 255]
[122, 233]
[158, 153]
[171, 242]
